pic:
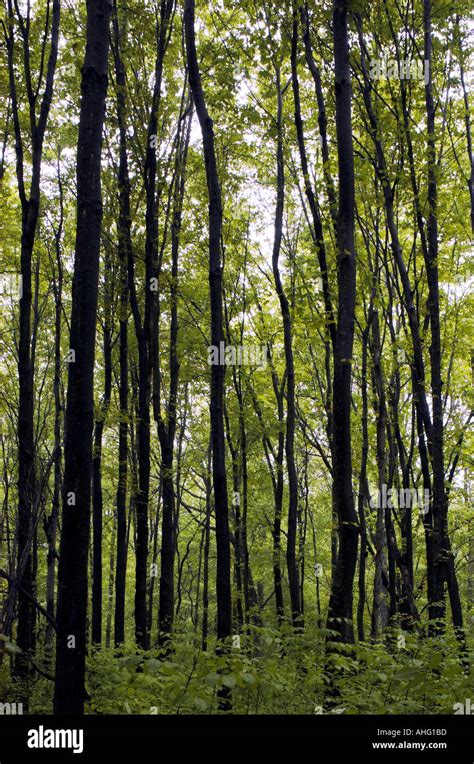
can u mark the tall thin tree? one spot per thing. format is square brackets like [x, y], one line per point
[69, 693]
[30, 211]
[341, 599]
[221, 507]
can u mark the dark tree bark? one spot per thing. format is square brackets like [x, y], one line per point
[322, 117]
[278, 495]
[235, 515]
[51, 521]
[155, 523]
[224, 600]
[207, 544]
[250, 593]
[396, 558]
[69, 694]
[404, 558]
[30, 207]
[438, 508]
[444, 561]
[125, 256]
[97, 495]
[274, 458]
[143, 331]
[167, 424]
[380, 611]
[291, 559]
[437, 540]
[110, 585]
[246, 599]
[362, 496]
[388, 193]
[340, 604]
[317, 230]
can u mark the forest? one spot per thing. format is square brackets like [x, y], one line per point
[236, 357]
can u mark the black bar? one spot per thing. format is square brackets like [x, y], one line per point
[139, 736]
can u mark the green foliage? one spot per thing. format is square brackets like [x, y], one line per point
[284, 673]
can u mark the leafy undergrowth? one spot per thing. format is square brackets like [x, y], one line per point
[286, 674]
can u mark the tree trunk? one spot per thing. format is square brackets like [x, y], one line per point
[291, 559]
[363, 489]
[340, 604]
[317, 230]
[444, 563]
[51, 522]
[380, 612]
[27, 488]
[69, 694]
[97, 497]
[224, 602]
[167, 424]
[110, 586]
[125, 255]
[207, 544]
[274, 459]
